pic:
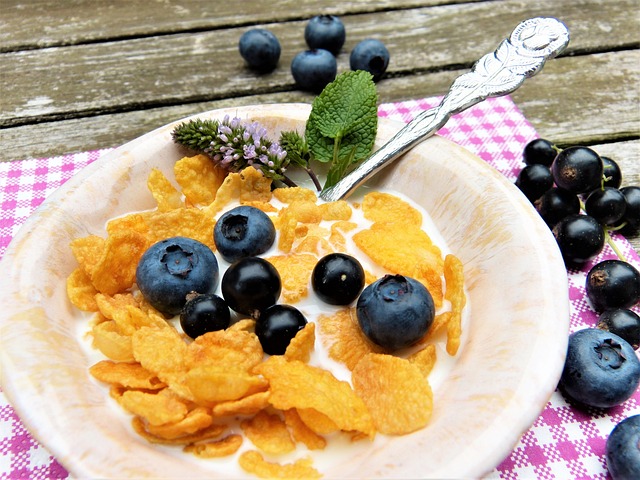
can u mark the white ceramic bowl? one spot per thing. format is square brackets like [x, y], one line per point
[506, 371]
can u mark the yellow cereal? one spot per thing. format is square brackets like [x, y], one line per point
[388, 208]
[253, 462]
[295, 271]
[269, 433]
[81, 292]
[214, 449]
[165, 194]
[199, 178]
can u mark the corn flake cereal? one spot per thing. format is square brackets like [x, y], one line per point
[81, 291]
[295, 270]
[388, 208]
[199, 178]
[454, 278]
[268, 432]
[155, 408]
[395, 392]
[302, 433]
[130, 375]
[215, 449]
[167, 197]
[302, 344]
[196, 420]
[253, 462]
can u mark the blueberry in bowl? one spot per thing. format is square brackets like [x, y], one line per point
[171, 269]
[243, 231]
[601, 369]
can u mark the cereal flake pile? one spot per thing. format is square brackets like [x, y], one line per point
[212, 394]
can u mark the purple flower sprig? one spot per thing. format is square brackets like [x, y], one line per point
[234, 145]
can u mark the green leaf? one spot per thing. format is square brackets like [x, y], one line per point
[344, 117]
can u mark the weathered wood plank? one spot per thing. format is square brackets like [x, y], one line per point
[174, 69]
[82, 21]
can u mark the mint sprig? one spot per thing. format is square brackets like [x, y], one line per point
[343, 123]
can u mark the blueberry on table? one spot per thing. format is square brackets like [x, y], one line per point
[171, 269]
[556, 204]
[326, 32]
[251, 285]
[337, 279]
[601, 369]
[579, 237]
[577, 169]
[613, 284]
[623, 449]
[243, 231]
[370, 55]
[314, 69]
[276, 327]
[260, 48]
[539, 151]
[623, 322]
[395, 311]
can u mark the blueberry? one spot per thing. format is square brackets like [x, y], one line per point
[171, 269]
[623, 449]
[370, 55]
[314, 69]
[276, 327]
[325, 31]
[251, 285]
[601, 369]
[395, 311]
[623, 322]
[204, 313]
[613, 284]
[338, 279]
[243, 231]
[260, 48]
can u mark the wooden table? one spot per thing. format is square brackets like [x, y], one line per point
[80, 75]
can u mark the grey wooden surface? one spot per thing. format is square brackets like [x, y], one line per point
[77, 75]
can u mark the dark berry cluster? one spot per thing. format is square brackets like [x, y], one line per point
[316, 67]
[579, 195]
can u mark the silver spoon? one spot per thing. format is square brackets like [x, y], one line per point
[522, 55]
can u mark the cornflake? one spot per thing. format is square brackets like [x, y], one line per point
[187, 392]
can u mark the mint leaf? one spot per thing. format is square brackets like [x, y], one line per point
[343, 122]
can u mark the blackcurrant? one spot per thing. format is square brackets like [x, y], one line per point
[534, 180]
[277, 326]
[250, 285]
[580, 238]
[623, 322]
[557, 203]
[607, 205]
[613, 284]
[632, 212]
[539, 151]
[204, 313]
[612, 173]
[338, 279]
[577, 169]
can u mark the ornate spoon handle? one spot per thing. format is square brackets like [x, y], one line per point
[522, 55]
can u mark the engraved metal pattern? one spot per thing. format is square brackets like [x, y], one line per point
[522, 55]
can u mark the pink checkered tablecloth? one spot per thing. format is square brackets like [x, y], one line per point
[564, 442]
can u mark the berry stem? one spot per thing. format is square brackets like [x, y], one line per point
[613, 246]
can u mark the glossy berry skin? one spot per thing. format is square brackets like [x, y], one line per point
[326, 32]
[623, 322]
[539, 151]
[312, 70]
[622, 451]
[555, 204]
[577, 169]
[204, 313]
[632, 212]
[601, 369]
[613, 284]
[277, 326]
[370, 55]
[579, 237]
[337, 279]
[260, 49]
[395, 311]
[534, 180]
[243, 231]
[251, 285]
[171, 269]
[612, 173]
[607, 205]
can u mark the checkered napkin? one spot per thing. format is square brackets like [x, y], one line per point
[564, 442]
